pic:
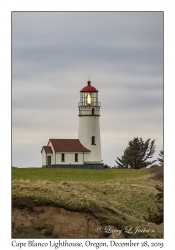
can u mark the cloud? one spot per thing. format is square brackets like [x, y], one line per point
[53, 53]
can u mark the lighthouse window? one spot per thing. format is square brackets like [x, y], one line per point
[93, 140]
[76, 157]
[62, 157]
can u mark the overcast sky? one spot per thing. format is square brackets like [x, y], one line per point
[54, 53]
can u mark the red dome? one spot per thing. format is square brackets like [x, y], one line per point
[89, 88]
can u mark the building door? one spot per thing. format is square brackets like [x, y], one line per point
[49, 160]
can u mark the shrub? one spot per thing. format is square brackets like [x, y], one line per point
[156, 172]
[157, 216]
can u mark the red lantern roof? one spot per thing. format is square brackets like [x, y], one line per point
[89, 88]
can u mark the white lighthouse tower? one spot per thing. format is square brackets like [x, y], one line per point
[89, 126]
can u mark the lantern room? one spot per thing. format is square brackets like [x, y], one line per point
[89, 96]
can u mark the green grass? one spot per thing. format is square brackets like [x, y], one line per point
[115, 196]
[60, 174]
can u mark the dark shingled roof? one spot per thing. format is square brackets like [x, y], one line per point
[68, 145]
[47, 149]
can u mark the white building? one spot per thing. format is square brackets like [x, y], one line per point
[84, 152]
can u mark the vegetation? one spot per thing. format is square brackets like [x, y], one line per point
[116, 197]
[156, 172]
[161, 158]
[157, 216]
[62, 174]
[137, 154]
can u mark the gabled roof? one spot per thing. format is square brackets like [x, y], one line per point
[68, 145]
[47, 149]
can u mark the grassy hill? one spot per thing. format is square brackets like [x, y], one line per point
[61, 174]
[117, 197]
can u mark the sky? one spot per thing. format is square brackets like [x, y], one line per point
[54, 54]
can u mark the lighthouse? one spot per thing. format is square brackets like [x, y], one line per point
[89, 126]
[84, 152]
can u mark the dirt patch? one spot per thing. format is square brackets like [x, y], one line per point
[32, 221]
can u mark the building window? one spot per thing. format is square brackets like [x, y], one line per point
[62, 157]
[93, 111]
[93, 140]
[76, 157]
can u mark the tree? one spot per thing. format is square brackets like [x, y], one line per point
[161, 158]
[106, 166]
[137, 154]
